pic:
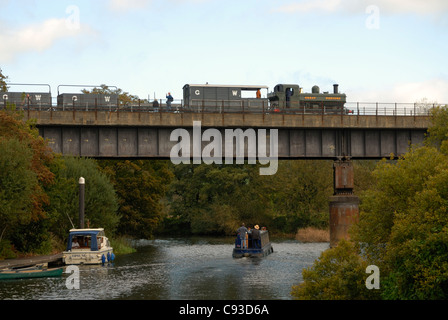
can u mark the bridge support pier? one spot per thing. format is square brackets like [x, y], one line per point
[344, 204]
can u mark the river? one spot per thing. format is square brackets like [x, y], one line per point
[180, 269]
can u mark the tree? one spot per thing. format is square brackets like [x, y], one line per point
[299, 194]
[396, 184]
[140, 187]
[3, 80]
[338, 274]
[30, 157]
[12, 126]
[123, 97]
[101, 203]
[438, 131]
[17, 184]
[211, 199]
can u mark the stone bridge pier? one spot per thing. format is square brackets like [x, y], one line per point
[344, 204]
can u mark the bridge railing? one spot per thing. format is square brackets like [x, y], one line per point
[238, 106]
[390, 109]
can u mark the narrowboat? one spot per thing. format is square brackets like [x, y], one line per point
[256, 248]
[87, 246]
[37, 271]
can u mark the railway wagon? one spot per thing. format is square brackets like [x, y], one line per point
[223, 98]
[22, 100]
[87, 101]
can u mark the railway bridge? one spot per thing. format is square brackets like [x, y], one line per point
[154, 135]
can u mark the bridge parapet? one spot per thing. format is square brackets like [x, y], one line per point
[241, 120]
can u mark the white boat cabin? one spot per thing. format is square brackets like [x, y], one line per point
[87, 246]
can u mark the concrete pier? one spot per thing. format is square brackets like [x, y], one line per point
[344, 205]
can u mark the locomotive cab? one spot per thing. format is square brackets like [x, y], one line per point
[285, 95]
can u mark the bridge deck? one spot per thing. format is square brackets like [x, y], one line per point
[147, 135]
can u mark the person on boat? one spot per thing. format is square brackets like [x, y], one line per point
[249, 237]
[256, 237]
[75, 244]
[242, 232]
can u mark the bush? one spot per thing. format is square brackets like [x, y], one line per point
[338, 274]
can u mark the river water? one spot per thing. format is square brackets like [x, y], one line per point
[179, 269]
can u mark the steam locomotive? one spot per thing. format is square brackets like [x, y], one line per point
[291, 97]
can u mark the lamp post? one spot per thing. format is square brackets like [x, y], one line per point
[82, 184]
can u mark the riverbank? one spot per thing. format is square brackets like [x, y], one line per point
[53, 259]
[311, 235]
[121, 245]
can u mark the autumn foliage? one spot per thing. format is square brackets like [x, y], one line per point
[25, 160]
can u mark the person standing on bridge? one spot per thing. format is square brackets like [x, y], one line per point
[242, 232]
[288, 97]
[155, 105]
[169, 99]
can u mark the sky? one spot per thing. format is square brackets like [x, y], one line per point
[376, 50]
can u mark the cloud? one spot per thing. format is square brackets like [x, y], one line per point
[307, 6]
[37, 37]
[433, 90]
[120, 5]
[420, 7]
[129, 5]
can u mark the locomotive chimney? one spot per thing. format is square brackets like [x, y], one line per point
[335, 87]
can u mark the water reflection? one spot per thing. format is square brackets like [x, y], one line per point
[195, 268]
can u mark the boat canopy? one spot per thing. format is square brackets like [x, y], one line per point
[86, 234]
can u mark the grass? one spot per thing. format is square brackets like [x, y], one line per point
[121, 245]
[311, 234]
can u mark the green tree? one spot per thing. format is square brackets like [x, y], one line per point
[299, 194]
[417, 251]
[217, 198]
[30, 158]
[123, 97]
[140, 187]
[338, 274]
[438, 131]
[396, 184]
[3, 84]
[17, 184]
[101, 203]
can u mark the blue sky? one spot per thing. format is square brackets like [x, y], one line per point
[376, 50]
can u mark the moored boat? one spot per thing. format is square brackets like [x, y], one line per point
[255, 248]
[30, 272]
[88, 246]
